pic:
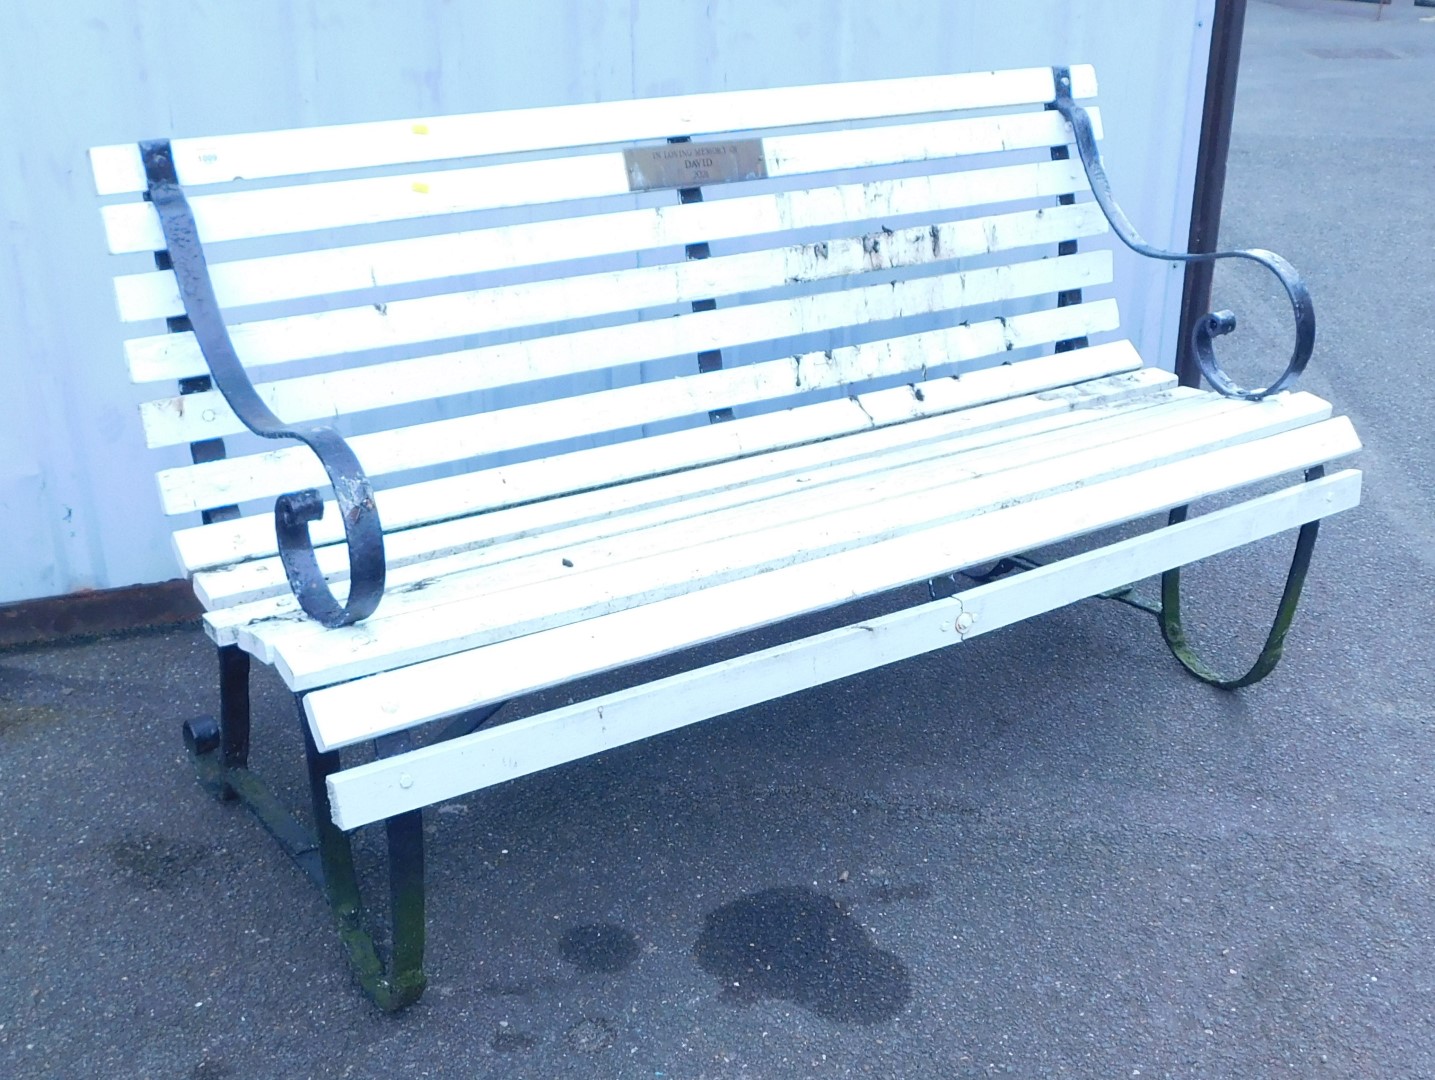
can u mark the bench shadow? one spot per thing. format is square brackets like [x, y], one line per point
[796, 944]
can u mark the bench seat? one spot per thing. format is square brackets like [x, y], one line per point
[846, 528]
[545, 565]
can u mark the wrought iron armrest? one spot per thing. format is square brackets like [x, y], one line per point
[293, 512]
[1215, 324]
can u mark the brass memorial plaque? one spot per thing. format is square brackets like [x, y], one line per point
[682, 165]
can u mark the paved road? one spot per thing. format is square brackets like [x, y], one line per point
[950, 868]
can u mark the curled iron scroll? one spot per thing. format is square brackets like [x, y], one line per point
[294, 512]
[1215, 324]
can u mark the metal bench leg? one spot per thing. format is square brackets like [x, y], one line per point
[218, 749]
[220, 752]
[403, 982]
[1170, 613]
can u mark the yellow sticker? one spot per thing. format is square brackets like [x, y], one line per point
[421, 187]
[421, 129]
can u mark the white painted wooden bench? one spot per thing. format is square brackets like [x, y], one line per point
[608, 394]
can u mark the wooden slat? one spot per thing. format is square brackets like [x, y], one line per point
[234, 480]
[155, 294]
[190, 418]
[581, 593]
[134, 226]
[221, 543]
[465, 543]
[379, 789]
[219, 159]
[403, 697]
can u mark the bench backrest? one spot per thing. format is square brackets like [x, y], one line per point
[471, 294]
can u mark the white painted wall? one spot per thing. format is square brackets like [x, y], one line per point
[78, 508]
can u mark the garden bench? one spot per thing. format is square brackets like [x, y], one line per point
[565, 389]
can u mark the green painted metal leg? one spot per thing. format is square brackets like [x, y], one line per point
[220, 752]
[1270, 655]
[403, 982]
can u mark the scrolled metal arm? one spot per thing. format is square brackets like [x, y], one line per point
[294, 512]
[1214, 324]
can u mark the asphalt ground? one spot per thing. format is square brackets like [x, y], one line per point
[1046, 853]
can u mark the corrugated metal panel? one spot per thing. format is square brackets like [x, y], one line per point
[77, 495]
